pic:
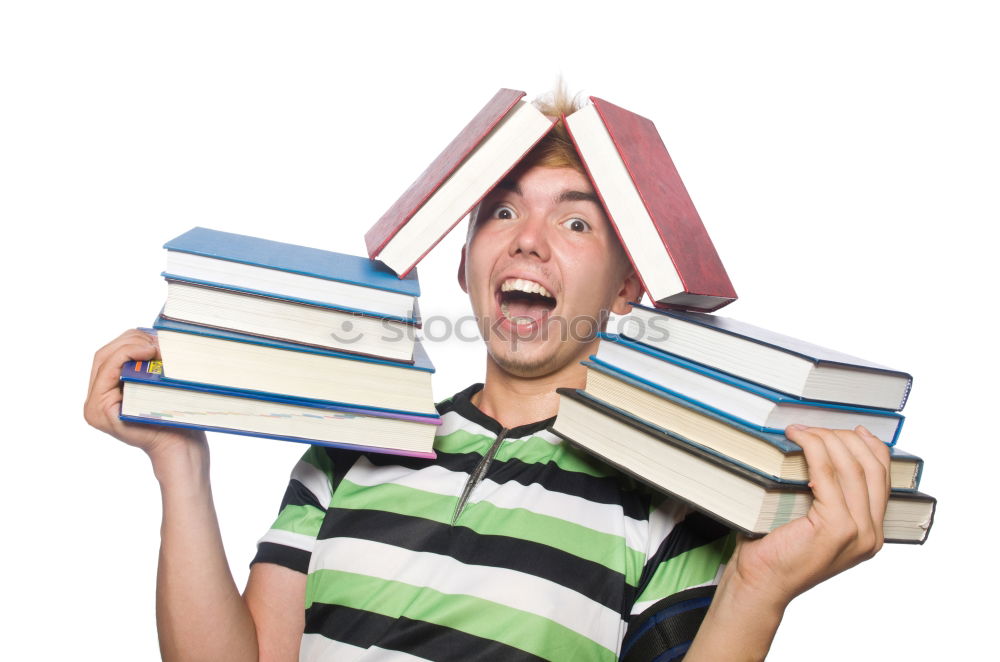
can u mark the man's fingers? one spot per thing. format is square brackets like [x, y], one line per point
[112, 351]
[862, 478]
[104, 391]
[877, 460]
[823, 479]
[854, 501]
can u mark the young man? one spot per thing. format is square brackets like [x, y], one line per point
[510, 545]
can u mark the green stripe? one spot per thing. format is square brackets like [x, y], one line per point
[532, 450]
[476, 616]
[316, 456]
[693, 567]
[300, 519]
[395, 499]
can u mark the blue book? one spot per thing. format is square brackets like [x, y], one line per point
[204, 355]
[295, 273]
[738, 399]
[150, 398]
[767, 452]
[777, 361]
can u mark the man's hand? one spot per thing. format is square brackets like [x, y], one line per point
[104, 398]
[849, 478]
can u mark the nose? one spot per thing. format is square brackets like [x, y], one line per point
[530, 238]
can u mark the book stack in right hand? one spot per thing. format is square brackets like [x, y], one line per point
[697, 405]
[271, 339]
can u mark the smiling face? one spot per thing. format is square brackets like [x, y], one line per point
[543, 267]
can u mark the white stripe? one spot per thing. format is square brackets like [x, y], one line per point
[317, 648]
[543, 435]
[662, 521]
[453, 422]
[432, 478]
[289, 539]
[315, 480]
[499, 585]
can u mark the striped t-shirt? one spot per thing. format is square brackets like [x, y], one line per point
[511, 545]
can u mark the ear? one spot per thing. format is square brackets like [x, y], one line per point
[631, 290]
[461, 272]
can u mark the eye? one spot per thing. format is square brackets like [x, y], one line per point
[504, 212]
[576, 225]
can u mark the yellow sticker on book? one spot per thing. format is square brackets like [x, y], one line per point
[155, 368]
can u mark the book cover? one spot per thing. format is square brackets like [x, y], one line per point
[303, 260]
[769, 394]
[420, 362]
[414, 320]
[777, 341]
[677, 223]
[440, 170]
[151, 373]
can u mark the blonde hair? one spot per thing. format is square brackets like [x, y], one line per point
[556, 149]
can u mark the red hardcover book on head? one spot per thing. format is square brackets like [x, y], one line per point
[651, 210]
[469, 167]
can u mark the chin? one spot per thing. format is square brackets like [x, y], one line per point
[526, 361]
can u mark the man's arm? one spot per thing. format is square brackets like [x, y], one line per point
[200, 613]
[849, 477]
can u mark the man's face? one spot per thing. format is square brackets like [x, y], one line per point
[543, 267]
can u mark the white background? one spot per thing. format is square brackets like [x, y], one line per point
[844, 157]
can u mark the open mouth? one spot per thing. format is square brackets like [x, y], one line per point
[524, 301]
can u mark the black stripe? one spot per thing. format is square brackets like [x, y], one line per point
[427, 640]
[609, 490]
[694, 531]
[289, 557]
[669, 623]
[591, 579]
[615, 489]
[297, 494]
[341, 460]
[461, 403]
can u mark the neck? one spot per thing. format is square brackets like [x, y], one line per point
[514, 400]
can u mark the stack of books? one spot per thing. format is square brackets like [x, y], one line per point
[697, 405]
[263, 338]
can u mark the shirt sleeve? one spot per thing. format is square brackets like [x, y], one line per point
[688, 552]
[291, 538]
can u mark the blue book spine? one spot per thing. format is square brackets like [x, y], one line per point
[150, 372]
[742, 384]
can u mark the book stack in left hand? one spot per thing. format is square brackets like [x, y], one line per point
[263, 338]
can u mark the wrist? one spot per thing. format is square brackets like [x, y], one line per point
[740, 624]
[183, 463]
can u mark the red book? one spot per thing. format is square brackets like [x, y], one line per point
[469, 167]
[651, 210]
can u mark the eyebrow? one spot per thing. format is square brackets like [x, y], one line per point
[509, 185]
[578, 196]
[566, 196]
